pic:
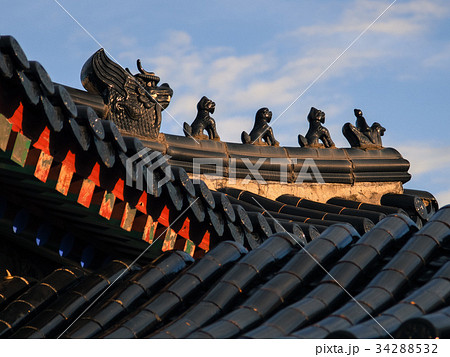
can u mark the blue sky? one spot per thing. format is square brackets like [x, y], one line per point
[246, 55]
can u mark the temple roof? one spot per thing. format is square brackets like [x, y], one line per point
[186, 260]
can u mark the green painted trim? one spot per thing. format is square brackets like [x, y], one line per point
[5, 132]
[20, 151]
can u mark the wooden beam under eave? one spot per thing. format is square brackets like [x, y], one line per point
[5, 132]
[43, 166]
[20, 150]
[189, 247]
[169, 240]
[64, 179]
[107, 205]
[129, 213]
[150, 227]
[86, 193]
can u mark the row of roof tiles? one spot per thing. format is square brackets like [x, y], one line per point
[394, 273]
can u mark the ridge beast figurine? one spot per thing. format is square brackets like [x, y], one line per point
[261, 130]
[203, 121]
[134, 102]
[316, 131]
[363, 136]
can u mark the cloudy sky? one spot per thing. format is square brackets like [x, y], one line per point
[287, 55]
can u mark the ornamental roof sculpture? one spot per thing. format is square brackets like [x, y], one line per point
[203, 121]
[261, 133]
[316, 131]
[363, 136]
[134, 102]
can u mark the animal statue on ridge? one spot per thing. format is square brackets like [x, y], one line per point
[363, 136]
[262, 133]
[203, 121]
[316, 131]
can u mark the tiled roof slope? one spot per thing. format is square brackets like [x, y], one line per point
[395, 272]
[63, 198]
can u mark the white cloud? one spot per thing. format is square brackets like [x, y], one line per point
[430, 169]
[401, 19]
[439, 58]
[425, 159]
[392, 27]
[230, 129]
[423, 8]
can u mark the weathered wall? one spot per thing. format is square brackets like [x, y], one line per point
[369, 192]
